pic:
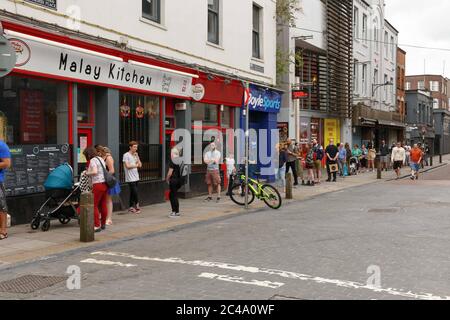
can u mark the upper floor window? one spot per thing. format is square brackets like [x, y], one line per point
[356, 23]
[434, 86]
[408, 86]
[213, 21]
[435, 103]
[365, 35]
[421, 85]
[392, 48]
[151, 9]
[256, 32]
[386, 43]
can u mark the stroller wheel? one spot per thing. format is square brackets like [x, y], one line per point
[46, 226]
[64, 220]
[35, 223]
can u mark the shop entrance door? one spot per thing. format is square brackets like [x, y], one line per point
[84, 141]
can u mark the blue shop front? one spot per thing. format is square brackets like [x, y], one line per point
[264, 106]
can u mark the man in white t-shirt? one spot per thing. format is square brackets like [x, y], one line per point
[131, 164]
[398, 158]
[212, 159]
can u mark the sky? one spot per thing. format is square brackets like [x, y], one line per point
[425, 24]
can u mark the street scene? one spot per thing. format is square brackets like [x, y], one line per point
[224, 150]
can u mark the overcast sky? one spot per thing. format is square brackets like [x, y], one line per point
[422, 23]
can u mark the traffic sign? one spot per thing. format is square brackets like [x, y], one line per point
[246, 95]
[7, 56]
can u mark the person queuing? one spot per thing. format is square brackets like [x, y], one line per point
[398, 158]
[384, 152]
[132, 163]
[371, 156]
[319, 155]
[292, 153]
[342, 159]
[309, 164]
[99, 187]
[332, 153]
[5, 163]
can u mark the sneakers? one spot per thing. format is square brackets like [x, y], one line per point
[132, 210]
[97, 230]
[208, 199]
[174, 215]
[218, 200]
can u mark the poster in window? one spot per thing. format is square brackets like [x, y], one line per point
[315, 130]
[140, 111]
[125, 109]
[283, 127]
[304, 130]
[32, 117]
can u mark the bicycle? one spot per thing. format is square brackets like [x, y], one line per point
[263, 192]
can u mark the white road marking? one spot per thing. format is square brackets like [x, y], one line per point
[108, 263]
[280, 273]
[227, 278]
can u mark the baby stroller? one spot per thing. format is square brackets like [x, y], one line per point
[63, 198]
[354, 166]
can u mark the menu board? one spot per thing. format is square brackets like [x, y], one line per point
[31, 165]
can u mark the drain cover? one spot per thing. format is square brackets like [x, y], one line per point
[29, 283]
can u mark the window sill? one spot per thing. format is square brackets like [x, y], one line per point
[258, 60]
[153, 23]
[217, 46]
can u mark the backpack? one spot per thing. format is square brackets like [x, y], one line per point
[184, 171]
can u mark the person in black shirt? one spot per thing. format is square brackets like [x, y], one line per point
[384, 153]
[332, 153]
[174, 181]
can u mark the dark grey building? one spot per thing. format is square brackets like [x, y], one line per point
[420, 118]
[442, 128]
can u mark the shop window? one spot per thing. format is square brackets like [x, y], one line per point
[85, 98]
[33, 111]
[140, 121]
[225, 117]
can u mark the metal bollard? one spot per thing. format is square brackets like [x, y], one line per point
[431, 161]
[289, 186]
[379, 170]
[87, 217]
[440, 158]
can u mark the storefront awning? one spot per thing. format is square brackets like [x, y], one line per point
[394, 124]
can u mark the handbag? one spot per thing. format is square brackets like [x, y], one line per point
[110, 179]
[334, 168]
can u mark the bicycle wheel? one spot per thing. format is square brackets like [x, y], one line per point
[238, 195]
[271, 197]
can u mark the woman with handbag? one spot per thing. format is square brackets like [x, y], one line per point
[99, 187]
[105, 153]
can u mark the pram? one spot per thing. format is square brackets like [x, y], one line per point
[354, 166]
[63, 198]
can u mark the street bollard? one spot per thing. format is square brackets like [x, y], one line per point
[440, 159]
[289, 186]
[431, 161]
[87, 217]
[379, 170]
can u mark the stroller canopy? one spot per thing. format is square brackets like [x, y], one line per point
[60, 178]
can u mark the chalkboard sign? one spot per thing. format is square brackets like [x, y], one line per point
[31, 165]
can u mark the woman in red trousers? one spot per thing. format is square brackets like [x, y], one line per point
[99, 187]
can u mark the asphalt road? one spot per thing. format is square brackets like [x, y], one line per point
[387, 240]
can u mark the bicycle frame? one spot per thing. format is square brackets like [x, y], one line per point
[259, 192]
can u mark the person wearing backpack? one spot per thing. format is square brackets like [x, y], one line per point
[175, 178]
[309, 164]
[318, 158]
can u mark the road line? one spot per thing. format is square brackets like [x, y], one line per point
[108, 263]
[227, 278]
[281, 273]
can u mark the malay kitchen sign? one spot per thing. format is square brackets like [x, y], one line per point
[51, 60]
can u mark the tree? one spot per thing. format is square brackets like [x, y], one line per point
[286, 11]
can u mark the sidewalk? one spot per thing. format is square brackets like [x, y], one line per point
[25, 244]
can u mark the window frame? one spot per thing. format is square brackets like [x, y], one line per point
[156, 19]
[216, 12]
[257, 33]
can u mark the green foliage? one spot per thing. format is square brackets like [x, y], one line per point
[286, 11]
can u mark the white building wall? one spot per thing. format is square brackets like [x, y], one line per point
[182, 34]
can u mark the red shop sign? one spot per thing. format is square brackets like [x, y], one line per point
[220, 90]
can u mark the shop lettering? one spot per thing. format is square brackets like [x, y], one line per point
[264, 103]
[79, 67]
[122, 75]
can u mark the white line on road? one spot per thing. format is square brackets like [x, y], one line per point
[227, 278]
[108, 263]
[281, 273]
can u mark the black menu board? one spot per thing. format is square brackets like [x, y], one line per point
[31, 165]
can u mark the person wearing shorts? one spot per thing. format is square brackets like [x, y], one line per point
[212, 179]
[384, 152]
[415, 160]
[398, 158]
[5, 163]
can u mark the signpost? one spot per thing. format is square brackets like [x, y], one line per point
[247, 138]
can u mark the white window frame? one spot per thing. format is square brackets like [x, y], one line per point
[218, 13]
[259, 31]
[154, 19]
